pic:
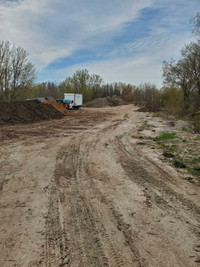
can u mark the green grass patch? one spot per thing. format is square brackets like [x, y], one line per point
[165, 136]
[178, 163]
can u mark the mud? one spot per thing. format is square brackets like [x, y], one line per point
[81, 192]
[26, 112]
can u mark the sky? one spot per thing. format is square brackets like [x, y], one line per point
[122, 41]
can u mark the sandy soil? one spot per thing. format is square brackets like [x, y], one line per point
[79, 191]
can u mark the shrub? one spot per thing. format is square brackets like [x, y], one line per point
[178, 163]
[168, 155]
[172, 99]
[196, 171]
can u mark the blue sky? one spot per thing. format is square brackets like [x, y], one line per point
[120, 40]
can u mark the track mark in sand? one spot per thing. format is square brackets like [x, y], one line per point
[83, 234]
[89, 241]
[129, 237]
[56, 247]
[86, 234]
[115, 256]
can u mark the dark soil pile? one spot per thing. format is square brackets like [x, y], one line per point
[26, 112]
[106, 102]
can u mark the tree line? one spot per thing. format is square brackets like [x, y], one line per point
[180, 92]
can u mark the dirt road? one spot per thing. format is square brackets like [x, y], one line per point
[79, 192]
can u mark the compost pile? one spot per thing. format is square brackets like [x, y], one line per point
[106, 102]
[58, 106]
[26, 112]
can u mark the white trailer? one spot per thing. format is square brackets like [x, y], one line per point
[76, 100]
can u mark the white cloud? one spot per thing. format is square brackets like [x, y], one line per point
[145, 64]
[51, 29]
[128, 70]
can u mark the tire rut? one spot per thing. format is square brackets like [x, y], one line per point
[115, 257]
[84, 242]
[56, 246]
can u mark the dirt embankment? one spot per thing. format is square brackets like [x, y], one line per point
[106, 102]
[26, 112]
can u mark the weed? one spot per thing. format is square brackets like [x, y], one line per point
[158, 114]
[196, 159]
[178, 163]
[153, 131]
[196, 126]
[196, 171]
[141, 143]
[189, 179]
[150, 126]
[173, 147]
[184, 129]
[167, 147]
[197, 138]
[168, 154]
[141, 137]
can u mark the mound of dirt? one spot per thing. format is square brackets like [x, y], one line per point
[106, 102]
[59, 106]
[26, 112]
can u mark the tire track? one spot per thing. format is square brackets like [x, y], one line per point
[84, 242]
[114, 255]
[56, 246]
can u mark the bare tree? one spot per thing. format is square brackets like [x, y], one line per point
[191, 56]
[196, 23]
[16, 71]
[185, 73]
